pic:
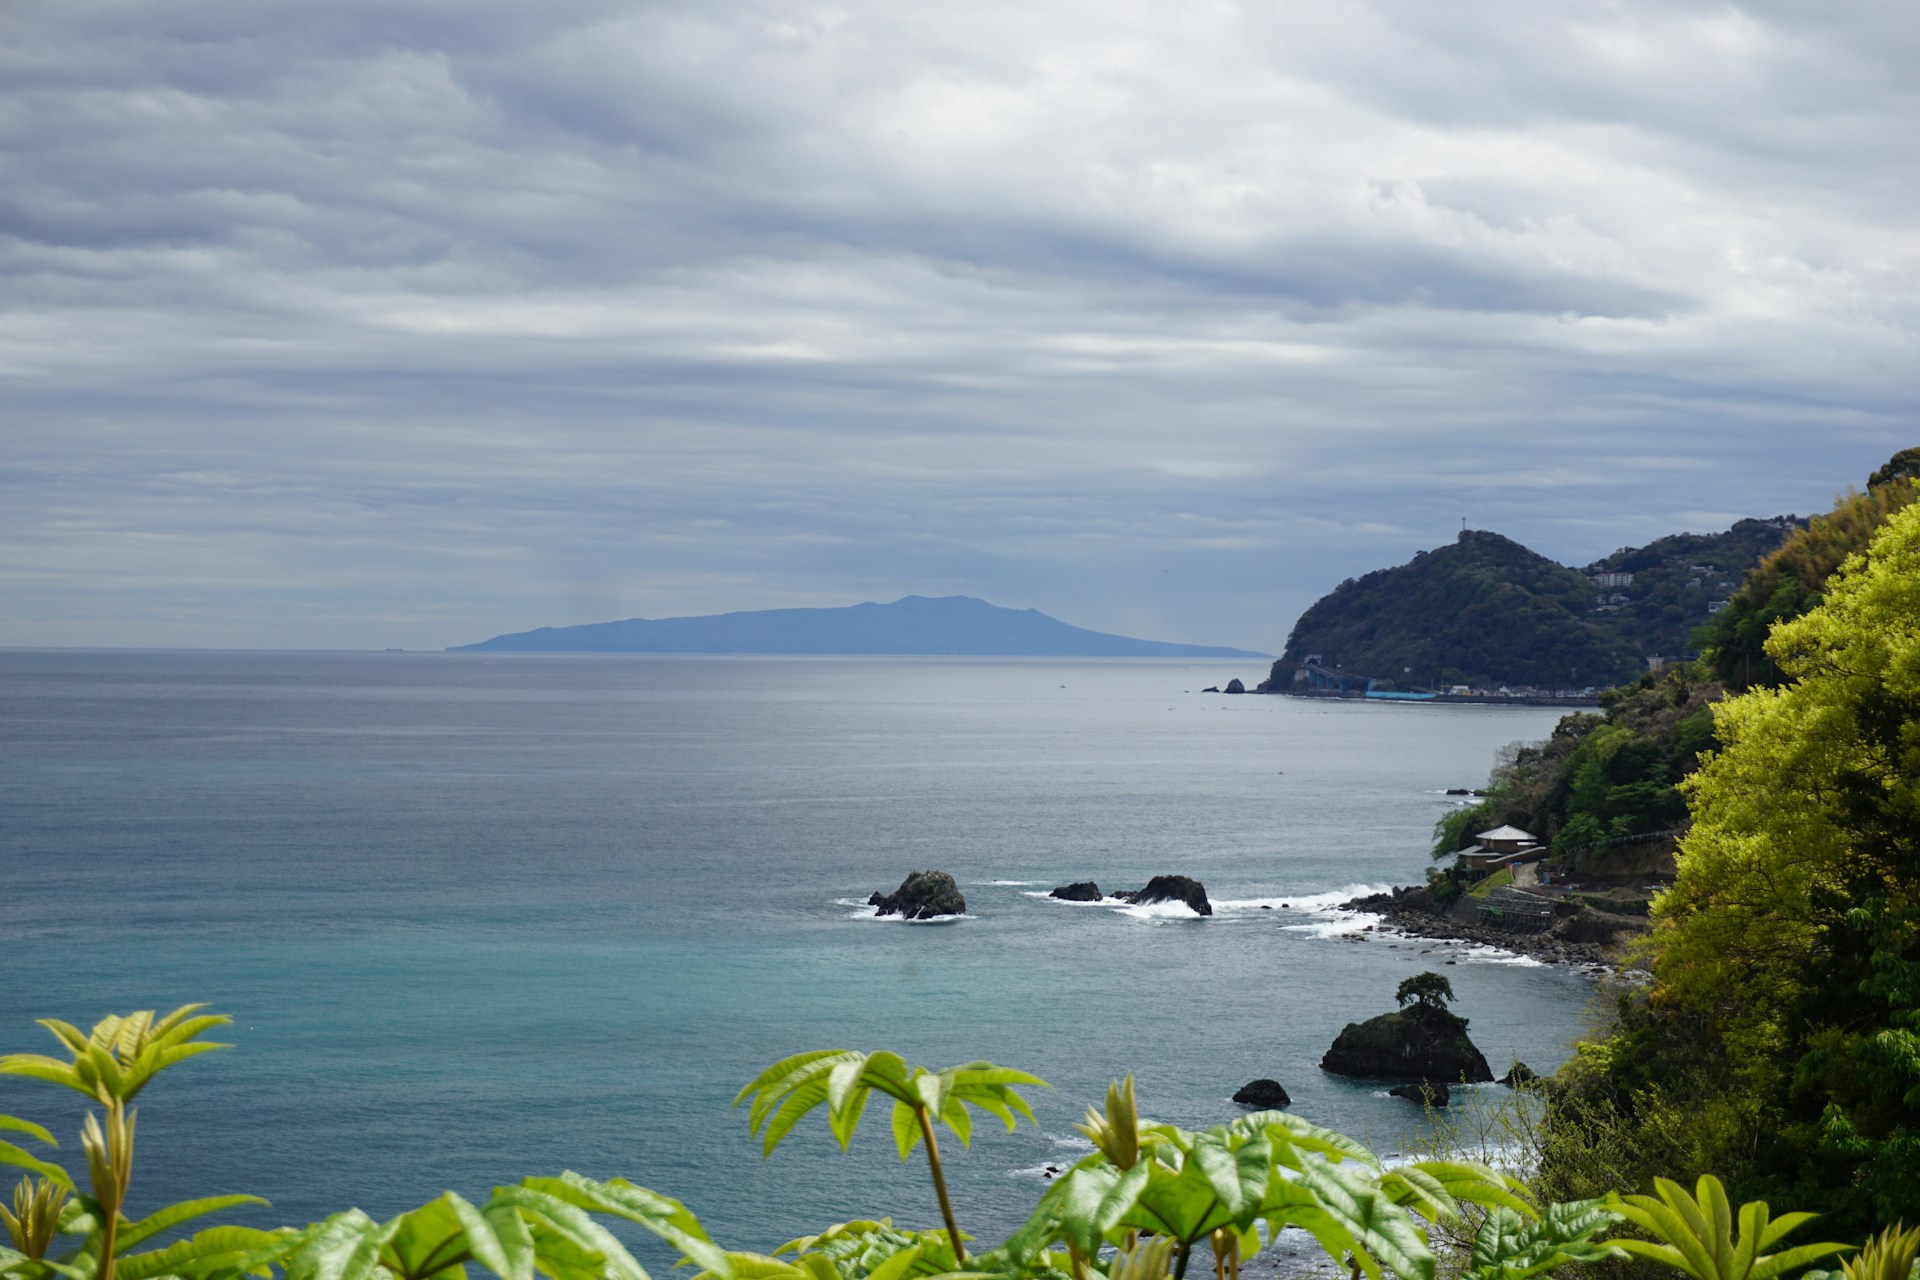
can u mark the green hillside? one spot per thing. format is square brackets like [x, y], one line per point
[1680, 581]
[1486, 611]
[1483, 611]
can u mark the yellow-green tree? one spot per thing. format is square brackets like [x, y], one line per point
[1791, 939]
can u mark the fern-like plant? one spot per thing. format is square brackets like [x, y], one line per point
[844, 1079]
[1696, 1233]
[110, 1065]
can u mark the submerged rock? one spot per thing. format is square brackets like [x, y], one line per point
[1431, 1093]
[1263, 1093]
[921, 896]
[1172, 889]
[1418, 1043]
[1079, 891]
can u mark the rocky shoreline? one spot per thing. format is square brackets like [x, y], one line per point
[1589, 940]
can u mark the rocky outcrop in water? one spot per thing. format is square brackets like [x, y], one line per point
[1520, 1073]
[1413, 911]
[1430, 1093]
[922, 896]
[1171, 889]
[1419, 1044]
[1079, 891]
[1264, 1094]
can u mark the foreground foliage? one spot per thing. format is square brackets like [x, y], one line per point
[1781, 1040]
[1793, 580]
[1137, 1208]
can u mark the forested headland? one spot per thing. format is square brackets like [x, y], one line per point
[1778, 1041]
[1485, 611]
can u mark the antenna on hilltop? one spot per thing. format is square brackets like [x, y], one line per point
[1463, 524]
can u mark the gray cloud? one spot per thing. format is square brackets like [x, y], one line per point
[406, 323]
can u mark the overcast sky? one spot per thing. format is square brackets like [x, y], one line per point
[356, 323]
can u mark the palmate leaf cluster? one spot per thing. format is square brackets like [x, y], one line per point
[1136, 1208]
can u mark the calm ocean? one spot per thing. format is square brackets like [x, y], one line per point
[483, 916]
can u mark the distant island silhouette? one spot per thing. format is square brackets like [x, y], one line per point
[960, 626]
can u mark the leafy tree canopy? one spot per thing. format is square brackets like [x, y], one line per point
[1787, 958]
[1427, 990]
[1790, 581]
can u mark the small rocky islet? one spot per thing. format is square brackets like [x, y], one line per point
[1419, 1044]
[1184, 889]
[923, 895]
[1424, 1047]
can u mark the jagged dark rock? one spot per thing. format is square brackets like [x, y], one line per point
[1431, 1093]
[1079, 891]
[1519, 1073]
[921, 896]
[1172, 889]
[1212, 688]
[1234, 686]
[1263, 1093]
[1415, 1044]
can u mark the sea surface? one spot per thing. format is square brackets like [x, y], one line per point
[481, 916]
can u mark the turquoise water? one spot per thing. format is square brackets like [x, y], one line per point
[478, 917]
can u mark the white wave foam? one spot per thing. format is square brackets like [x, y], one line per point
[1495, 955]
[1070, 1142]
[1237, 906]
[1328, 901]
[1335, 926]
[1068, 902]
[863, 910]
[1015, 883]
[1156, 911]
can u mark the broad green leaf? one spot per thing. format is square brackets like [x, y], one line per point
[20, 1159]
[1238, 1177]
[887, 1071]
[1775, 1264]
[757, 1266]
[1696, 1233]
[1352, 1196]
[516, 1240]
[929, 1090]
[906, 1128]
[795, 1104]
[898, 1266]
[213, 1252]
[1511, 1247]
[173, 1215]
[67, 1034]
[771, 1087]
[1781, 1226]
[17, 1125]
[1181, 1203]
[37, 1066]
[666, 1217]
[345, 1246]
[1477, 1184]
[1417, 1189]
[954, 1116]
[574, 1225]
[1292, 1136]
[1091, 1200]
[425, 1241]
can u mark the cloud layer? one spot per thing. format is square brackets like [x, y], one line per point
[409, 322]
